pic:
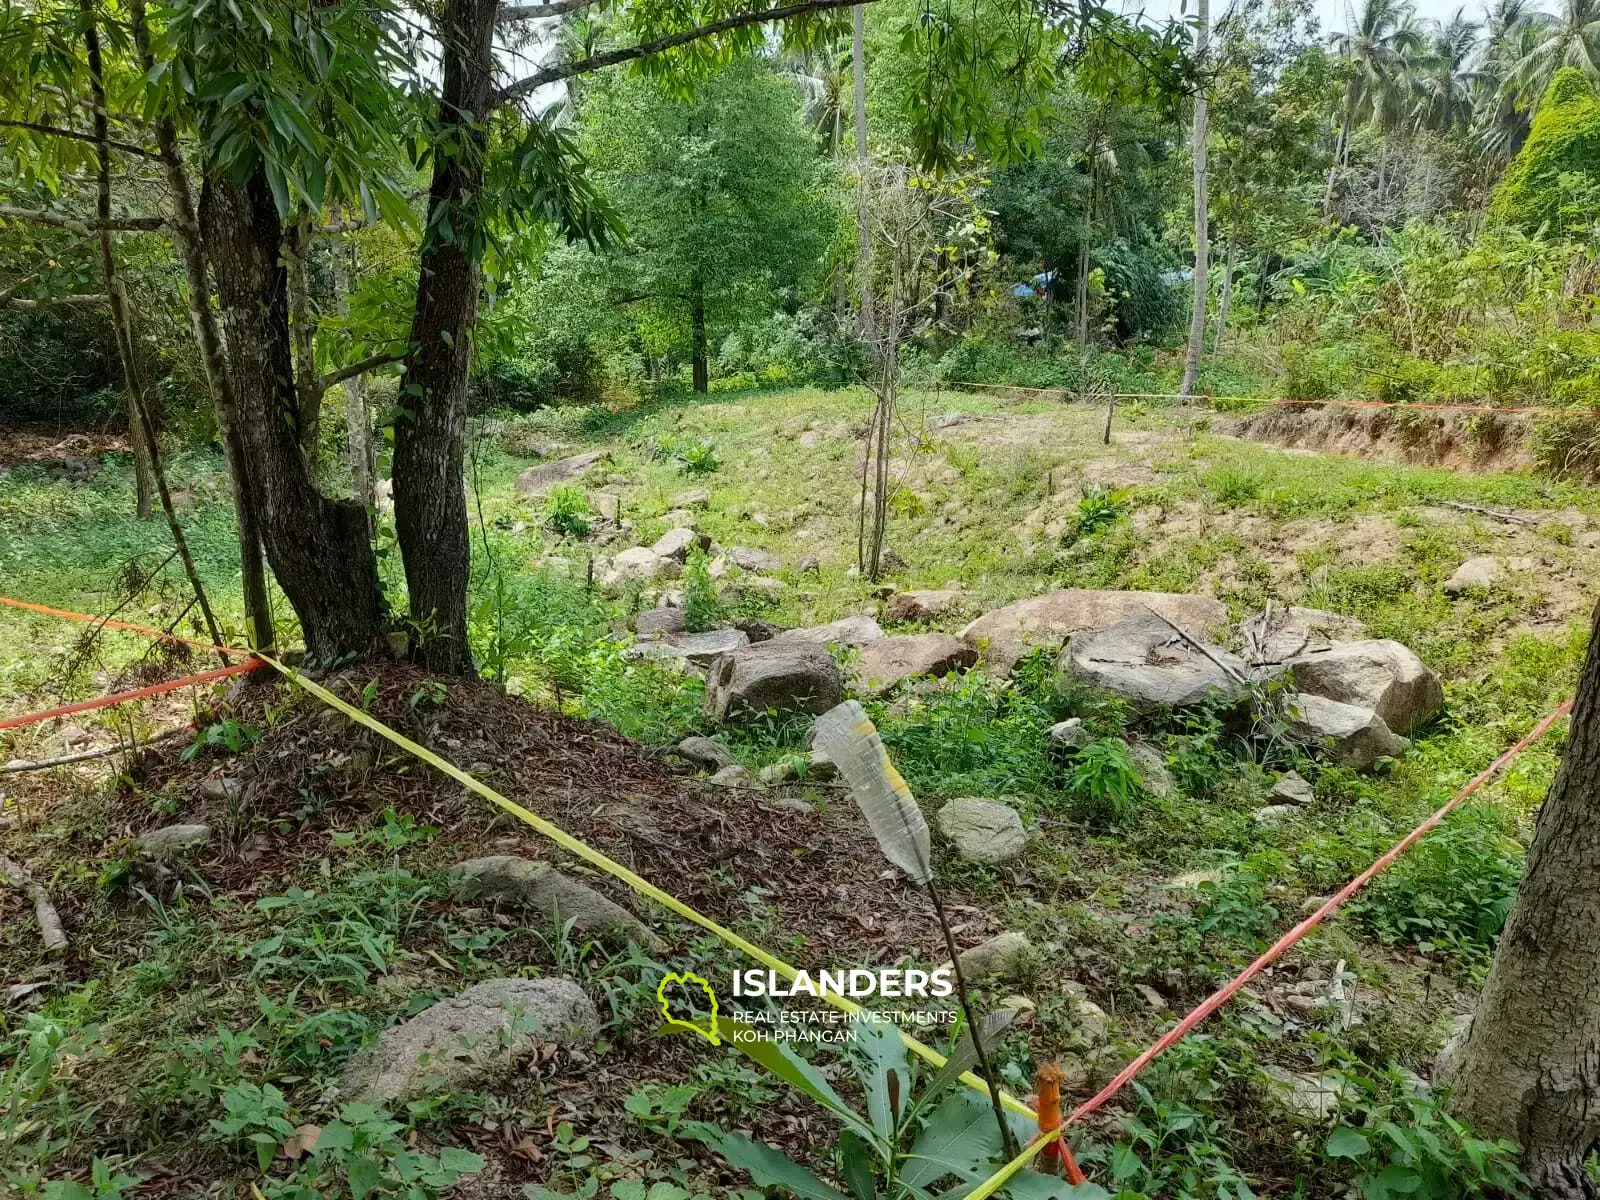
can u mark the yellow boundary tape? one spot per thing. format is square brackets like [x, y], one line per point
[611, 867]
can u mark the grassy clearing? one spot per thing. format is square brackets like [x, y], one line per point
[202, 1010]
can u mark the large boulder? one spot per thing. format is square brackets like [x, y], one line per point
[702, 649]
[639, 564]
[654, 622]
[885, 663]
[1353, 736]
[1006, 634]
[676, 543]
[747, 558]
[983, 831]
[456, 1042]
[1143, 659]
[846, 631]
[507, 879]
[538, 479]
[784, 677]
[1279, 633]
[1381, 675]
[924, 605]
[1002, 954]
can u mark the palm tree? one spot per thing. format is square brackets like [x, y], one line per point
[1444, 83]
[1570, 38]
[1381, 39]
[1501, 114]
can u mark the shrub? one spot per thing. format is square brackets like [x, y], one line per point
[566, 510]
[1552, 182]
[1104, 783]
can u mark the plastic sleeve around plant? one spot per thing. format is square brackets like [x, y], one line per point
[848, 738]
[615, 869]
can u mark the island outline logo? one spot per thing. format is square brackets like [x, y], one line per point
[689, 979]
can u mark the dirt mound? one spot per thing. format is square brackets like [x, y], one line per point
[312, 770]
[1479, 441]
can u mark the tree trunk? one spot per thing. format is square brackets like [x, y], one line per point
[1529, 1068]
[1197, 320]
[303, 328]
[1341, 153]
[319, 548]
[143, 428]
[360, 454]
[697, 327]
[430, 432]
[186, 237]
[1081, 293]
[858, 78]
[1226, 303]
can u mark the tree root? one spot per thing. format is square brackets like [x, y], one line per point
[51, 930]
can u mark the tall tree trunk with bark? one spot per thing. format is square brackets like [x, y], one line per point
[185, 228]
[1197, 319]
[303, 328]
[700, 350]
[858, 80]
[318, 547]
[430, 432]
[143, 427]
[1529, 1068]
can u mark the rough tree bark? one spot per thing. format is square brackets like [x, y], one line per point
[1197, 319]
[318, 547]
[1529, 1068]
[303, 329]
[430, 430]
[185, 229]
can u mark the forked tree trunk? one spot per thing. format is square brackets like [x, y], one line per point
[697, 329]
[1529, 1068]
[430, 432]
[1202, 282]
[318, 547]
[185, 229]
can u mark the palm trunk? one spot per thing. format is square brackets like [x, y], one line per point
[318, 547]
[1197, 320]
[1226, 303]
[186, 237]
[1529, 1068]
[430, 438]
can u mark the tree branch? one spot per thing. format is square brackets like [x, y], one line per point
[610, 58]
[57, 131]
[536, 12]
[371, 363]
[30, 305]
[41, 216]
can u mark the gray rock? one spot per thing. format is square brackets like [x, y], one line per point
[781, 771]
[173, 841]
[1069, 736]
[705, 752]
[1006, 634]
[507, 879]
[1000, 955]
[810, 565]
[457, 1042]
[1313, 1097]
[1144, 661]
[735, 776]
[784, 677]
[884, 664]
[1153, 999]
[701, 649]
[1382, 675]
[655, 622]
[758, 630]
[1088, 1026]
[927, 605]
[676, 543]
[1353, 736]
[1485, 573]
[757, 561]
[1151, 766]
[753, 586]
[1291, 789]
[537, 479]
[1280, 633]
[820, 767]
[1274, 814]
[638, 564]
[983, 831]
[695, 498]
[607, 505]
[847, 631]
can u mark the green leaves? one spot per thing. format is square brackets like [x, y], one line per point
[1347, 1143]
[768, 1167]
